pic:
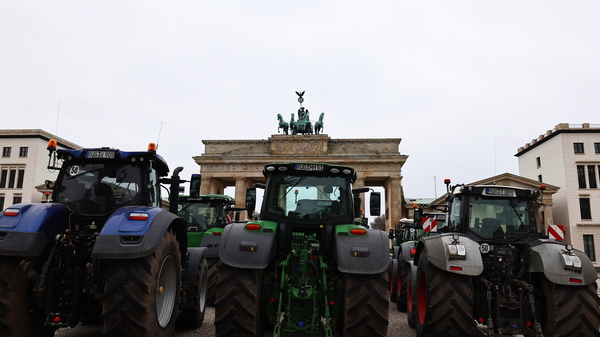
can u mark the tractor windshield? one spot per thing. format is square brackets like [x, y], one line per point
[308, 197]
[500, 218]
[99, 188]
[203, 215]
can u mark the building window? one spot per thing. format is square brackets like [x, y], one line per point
[581, 176]
[588, 247]
[578, 147]
[592, 176]
[20, 178]
[6, 152]
[585, 209]
[12, 174]
[538, 161]
[17, 200]
[540, 178]
[597, 147]
[1, 202]
[3, 176]
[23, 151]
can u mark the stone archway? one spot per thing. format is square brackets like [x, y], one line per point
[239, 163]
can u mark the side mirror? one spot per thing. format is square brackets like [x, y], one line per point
[250, 200]
[375, 203]
[195, 185]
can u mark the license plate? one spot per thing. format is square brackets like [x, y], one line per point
[502, 192]
[101, 154]
[308, 167]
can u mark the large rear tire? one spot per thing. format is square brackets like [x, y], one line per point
[366, 305]
[444, 304]
[192, 317]
[213, 265]
[402, 285]
[570, 310]
[393, 271]
[18, 315]
[238, 302]
[410, 301]
[141, 296]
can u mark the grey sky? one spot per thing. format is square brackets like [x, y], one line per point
[463, 83]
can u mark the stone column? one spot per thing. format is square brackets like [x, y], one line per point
[211, 186]
[393, 201]
[360, 183]
[240, 192]
[548, 218]
[205, 185]
[241, 183]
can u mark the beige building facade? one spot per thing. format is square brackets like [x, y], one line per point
[239, 163]
[568, 156]
[23, 165]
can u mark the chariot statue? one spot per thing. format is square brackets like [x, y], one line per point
[303, 124]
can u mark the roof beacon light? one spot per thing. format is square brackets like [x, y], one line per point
[51, 145]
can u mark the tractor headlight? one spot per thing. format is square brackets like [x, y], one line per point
[571, 261]
[456, 251]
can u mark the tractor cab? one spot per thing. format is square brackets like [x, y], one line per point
[311, 198]
[206, 211]
[97, 182]
[493, 212]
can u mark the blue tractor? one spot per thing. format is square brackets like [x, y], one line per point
[103, 250]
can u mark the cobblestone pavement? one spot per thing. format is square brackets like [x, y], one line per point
[398, 328]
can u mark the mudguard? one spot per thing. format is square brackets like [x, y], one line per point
[364, 254]
[243, 248]
[36, 225]
[124, 238]
[194, 259]
[546, 257]
[437, 253]
[211, 242]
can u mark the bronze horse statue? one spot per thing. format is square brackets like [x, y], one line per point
[319, 124]
[282, 125]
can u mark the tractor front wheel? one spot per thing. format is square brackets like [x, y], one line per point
[192, 318]
[141, 296]
[366, 303]
[570, 310]
[238, 302]
[444, 304]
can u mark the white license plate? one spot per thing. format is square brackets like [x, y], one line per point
[101, 154]
[309, 167]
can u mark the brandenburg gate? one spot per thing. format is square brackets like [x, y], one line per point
[239, 163]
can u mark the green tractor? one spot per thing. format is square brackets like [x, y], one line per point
[490, 273]
[206, 216]
[307, 265]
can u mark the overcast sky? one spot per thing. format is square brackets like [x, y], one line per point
[463, 83]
